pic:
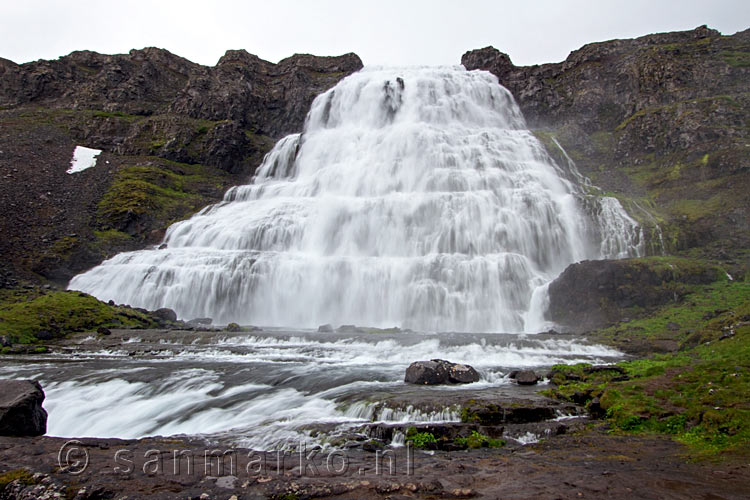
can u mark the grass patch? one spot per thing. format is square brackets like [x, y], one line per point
[736, 58]
[112, 238]
[62, 313]
[478, 440]
[700, 315]
[156, 194]
[698, 395]
[420, 439]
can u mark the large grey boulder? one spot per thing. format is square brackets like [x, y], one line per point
[526, 377]
[21, 412]
[165, 314]
[440, 371]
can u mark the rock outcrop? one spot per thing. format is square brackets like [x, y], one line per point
[596, 294]
[525, 377]
[21, 412]
[440, 371]
[174, 134]
[253, 94]
[659, 121]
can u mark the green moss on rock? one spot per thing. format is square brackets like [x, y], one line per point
[154, 194]
[63, 313]
[22, 475]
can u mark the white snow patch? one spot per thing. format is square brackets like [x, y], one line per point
[83, 158]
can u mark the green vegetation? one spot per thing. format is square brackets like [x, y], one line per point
[158, 192]
[468, 415]
[736, 58]
[688, 322]
[112, 238]
[420, 439]
[22, 475]
[698, 394]
[62, 313]
[477, 440]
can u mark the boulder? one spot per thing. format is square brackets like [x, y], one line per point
[165, 314]
[21, 412]
[598, 293]
[526, 377]
[439, 371]
[5, 341]
[325, 328]
[462, 374]
[426, 373]
[103, 331]
[233, 327]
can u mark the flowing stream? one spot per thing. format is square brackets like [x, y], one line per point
[270, 389]
[414, 197]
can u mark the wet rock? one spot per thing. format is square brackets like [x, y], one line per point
[440, 371]
[21, 412]
[233, 327]
[526, 377]
[5, 341]
[512, 411]
[580, 397]
[349, 329]
[103, 331]
[427, 373]
[325, 328]
[727, 334]
[373, 445]
[44, 335]
[462, 374]
[200, 322]
[165, 314]
[595, 408]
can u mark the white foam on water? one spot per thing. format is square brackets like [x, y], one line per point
[527, 438]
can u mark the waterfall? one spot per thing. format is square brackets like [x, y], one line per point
[414, 197]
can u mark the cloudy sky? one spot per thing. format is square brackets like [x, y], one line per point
[401, 32]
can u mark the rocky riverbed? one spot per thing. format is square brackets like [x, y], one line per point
[331, 433]
[587, 464]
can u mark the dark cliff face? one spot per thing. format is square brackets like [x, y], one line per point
[660, 122]
[270, 99]
[249, 95]
[175, 135]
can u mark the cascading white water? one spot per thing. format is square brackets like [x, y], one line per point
[414, 197]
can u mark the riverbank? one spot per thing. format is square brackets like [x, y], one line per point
[591, 463]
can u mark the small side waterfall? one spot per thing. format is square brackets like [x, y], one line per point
[414, 197]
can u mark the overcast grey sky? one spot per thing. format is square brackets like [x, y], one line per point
[400, 32]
